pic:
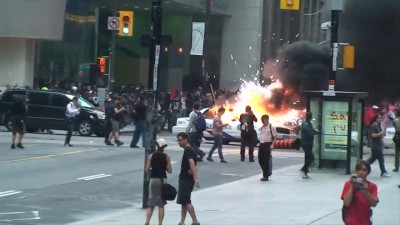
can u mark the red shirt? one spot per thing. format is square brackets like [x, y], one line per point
[359, 211]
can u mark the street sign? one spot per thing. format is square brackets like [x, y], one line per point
[113, 23]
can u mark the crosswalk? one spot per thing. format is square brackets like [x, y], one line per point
[8, 193]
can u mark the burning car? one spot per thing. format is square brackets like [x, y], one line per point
[231, 133]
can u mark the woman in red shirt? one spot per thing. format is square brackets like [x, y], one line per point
[359, 195]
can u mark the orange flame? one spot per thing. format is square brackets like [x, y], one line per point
[260, 99]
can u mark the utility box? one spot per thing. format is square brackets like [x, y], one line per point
[339, 118]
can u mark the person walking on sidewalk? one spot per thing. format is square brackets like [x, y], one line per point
[18, 112]
[158, 164]
[194, 135]
[377, 134]
[267, 136]
[140, 123]
[218, 127]
[248, 135]
[396, 139]
[70, 114]
[307, 142]
[358, 196]
[187, 179]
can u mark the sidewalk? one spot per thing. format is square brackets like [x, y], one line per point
[284, 200]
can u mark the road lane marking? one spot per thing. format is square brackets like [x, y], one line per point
[231, 174]
[173, 162]
[7, 193]
[92, 177]
[48, 156]
[31, 215]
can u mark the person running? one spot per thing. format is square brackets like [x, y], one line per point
[359, 195]
[70, 114]
[267, 136]
[377, 134]
[19, 109]
[187, 179]
[158, 164]
[194, 135]
[218, 127]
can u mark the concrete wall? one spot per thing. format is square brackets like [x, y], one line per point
[38, 19]
[17, 61]
[241, 45]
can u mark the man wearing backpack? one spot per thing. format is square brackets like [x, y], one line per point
[195, 130]
[248, 135]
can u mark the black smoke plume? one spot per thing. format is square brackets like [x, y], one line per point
[373, 27]
[304, 66]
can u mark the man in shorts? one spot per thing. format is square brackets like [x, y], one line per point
[18, 113]
[187, 179]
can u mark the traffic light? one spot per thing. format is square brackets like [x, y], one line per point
[101, 64]
[290, 4]
[348, 56]
[125, 23]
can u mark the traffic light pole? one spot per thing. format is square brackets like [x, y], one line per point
[334, 47]
[152, 118]
[111, 62]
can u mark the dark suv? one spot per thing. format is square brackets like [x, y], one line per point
[47, 111]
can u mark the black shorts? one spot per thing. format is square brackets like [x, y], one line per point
[18, 126]
[185, 191]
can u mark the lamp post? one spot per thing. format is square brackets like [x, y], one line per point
[336, 8]
[152, 115]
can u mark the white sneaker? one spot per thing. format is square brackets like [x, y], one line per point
[385, 175]
[306, 177]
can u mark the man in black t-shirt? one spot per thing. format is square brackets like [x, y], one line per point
[248, 135]
[19, 109]
[187, 178]
[140, 123]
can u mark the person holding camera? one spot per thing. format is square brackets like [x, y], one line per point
[70, 114]
[358, 196]
[114, 120]
[158, 164]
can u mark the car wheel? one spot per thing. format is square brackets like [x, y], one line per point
[85, 127]
[8, 123]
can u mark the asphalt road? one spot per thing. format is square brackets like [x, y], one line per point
[47, 183]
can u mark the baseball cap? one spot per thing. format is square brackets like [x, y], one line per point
[161, 142]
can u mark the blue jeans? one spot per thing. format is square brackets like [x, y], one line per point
[308, 157]
[217, 144]
[194, 141]
[377, 154]
[139, 130]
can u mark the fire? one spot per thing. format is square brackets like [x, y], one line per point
[273, 100]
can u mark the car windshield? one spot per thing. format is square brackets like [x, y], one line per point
[83, 103]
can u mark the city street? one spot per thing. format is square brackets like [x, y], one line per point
[47, 183]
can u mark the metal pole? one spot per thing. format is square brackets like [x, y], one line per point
[152, 125]
[111, 63]
[334, 47]
[205, 65]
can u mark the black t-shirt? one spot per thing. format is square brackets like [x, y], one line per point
[248, 118]
[140, 112]
[18, 109]
[188, 153]
[159, 165]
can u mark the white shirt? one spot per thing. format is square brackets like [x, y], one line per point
[265, 133]
[72, 110]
